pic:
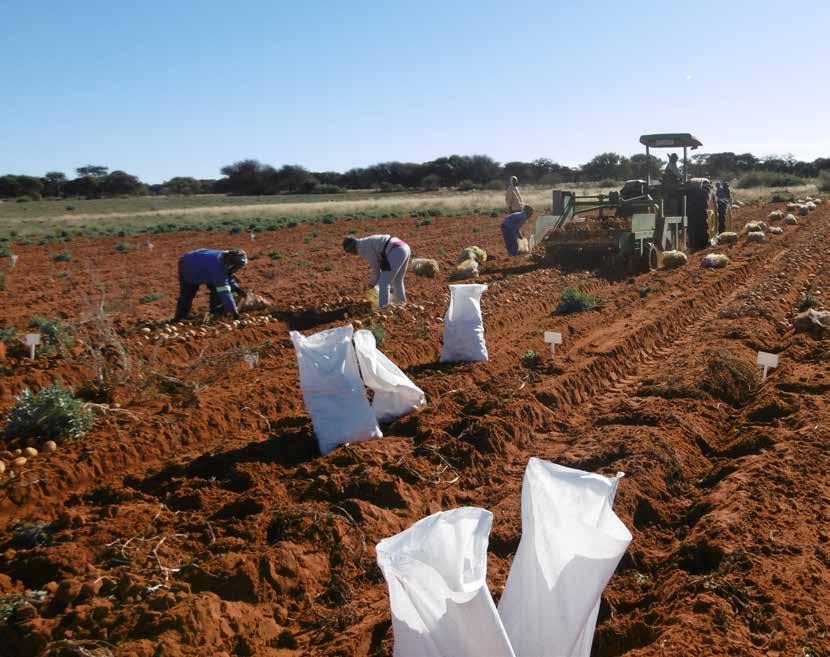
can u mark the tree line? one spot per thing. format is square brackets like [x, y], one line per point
[463, 172]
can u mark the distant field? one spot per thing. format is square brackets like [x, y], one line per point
[39, 219]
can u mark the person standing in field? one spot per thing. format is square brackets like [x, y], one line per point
[388, 259]
[513, 197]
[511, 229]
[216, 269]
[723, 197]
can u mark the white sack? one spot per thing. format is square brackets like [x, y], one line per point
[394, 393]
[333, 391]
[436, 572]
[571, 544]
[464, 326]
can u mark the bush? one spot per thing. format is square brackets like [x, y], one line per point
[51, 413]
[466, 186]
[122, 247]
[62, 257]
[69, 208]
[769, 179]
[531, 359]
[275, 255]
[380, 334]
[8, 334]
[607, 182]
[824, 181]
[149, 298]
[236, 230]
[55, 335]
[574, 300]
[808, 301]
[782, 197]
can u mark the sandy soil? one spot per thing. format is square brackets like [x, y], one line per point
[198, 518]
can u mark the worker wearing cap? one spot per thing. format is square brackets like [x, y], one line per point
[511, 229]
[388, 259]
[513, 197]
[671, 174]
[216, 269]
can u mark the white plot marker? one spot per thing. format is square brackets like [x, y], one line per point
[149, 245]
[253, 236]
[32, 340]
[553, 339]
[14, 260]
[767, 361]
[252, 360]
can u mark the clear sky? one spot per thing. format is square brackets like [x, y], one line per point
[170, 88]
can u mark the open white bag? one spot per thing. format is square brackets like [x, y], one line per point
[436, 572]
[394, 393]
[571, 544]
[464, 326]
[333, 391]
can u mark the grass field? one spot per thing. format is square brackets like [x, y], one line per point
[65, 218]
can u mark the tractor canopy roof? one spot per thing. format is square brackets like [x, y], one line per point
[671, 140]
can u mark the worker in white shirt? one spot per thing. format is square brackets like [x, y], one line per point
[513, 197]
[388, 259]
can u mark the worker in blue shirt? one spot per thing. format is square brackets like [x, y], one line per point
[511, 229]
[216, 269]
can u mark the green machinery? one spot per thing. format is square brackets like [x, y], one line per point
[635, 224]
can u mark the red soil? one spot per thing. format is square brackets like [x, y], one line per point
[198, 518]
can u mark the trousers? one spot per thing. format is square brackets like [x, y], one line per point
[398, 259]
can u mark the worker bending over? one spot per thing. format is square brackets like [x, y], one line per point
[388, 259]
[217, 270]
[513, 197]
[511, 229]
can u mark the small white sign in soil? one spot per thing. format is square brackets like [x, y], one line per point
[767, 361]
[251, 360]
[553, 338]
[32, 340]
[14, 260]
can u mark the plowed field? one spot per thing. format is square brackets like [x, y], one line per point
[198, 518]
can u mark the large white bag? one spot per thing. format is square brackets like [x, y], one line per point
[332, 388]
[571, 544]
[464, 326]
[436, 572]
[394, 393]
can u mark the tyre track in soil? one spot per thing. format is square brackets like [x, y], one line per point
[800, 263]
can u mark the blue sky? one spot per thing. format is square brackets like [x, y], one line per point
[181, 88]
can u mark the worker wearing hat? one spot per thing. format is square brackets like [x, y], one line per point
[216, 269]
[513, 197]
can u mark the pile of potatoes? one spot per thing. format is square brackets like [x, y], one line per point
[187, 332]
[16, 459]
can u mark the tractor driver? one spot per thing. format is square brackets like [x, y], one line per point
[671, 175]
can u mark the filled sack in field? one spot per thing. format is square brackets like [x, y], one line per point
[752, 227]
[810, 205]
[466, 269]
[728, 238]
[571, 544]
[475, 253]
[803, 211]
[333, 391]
[756, 236]
[714, 261]
[815, 322]
[425, 267]
[464, 325]
[763, 225]
[394, 393]
[790, 220]
[775, 230]
[792, 206]
[525, 245]
[674, 259]
[436, 572]
[255, 302]
[775, 215]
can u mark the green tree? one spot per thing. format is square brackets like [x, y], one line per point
[53, 183]
[92, 170]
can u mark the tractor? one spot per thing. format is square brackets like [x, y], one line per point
[631, 227]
